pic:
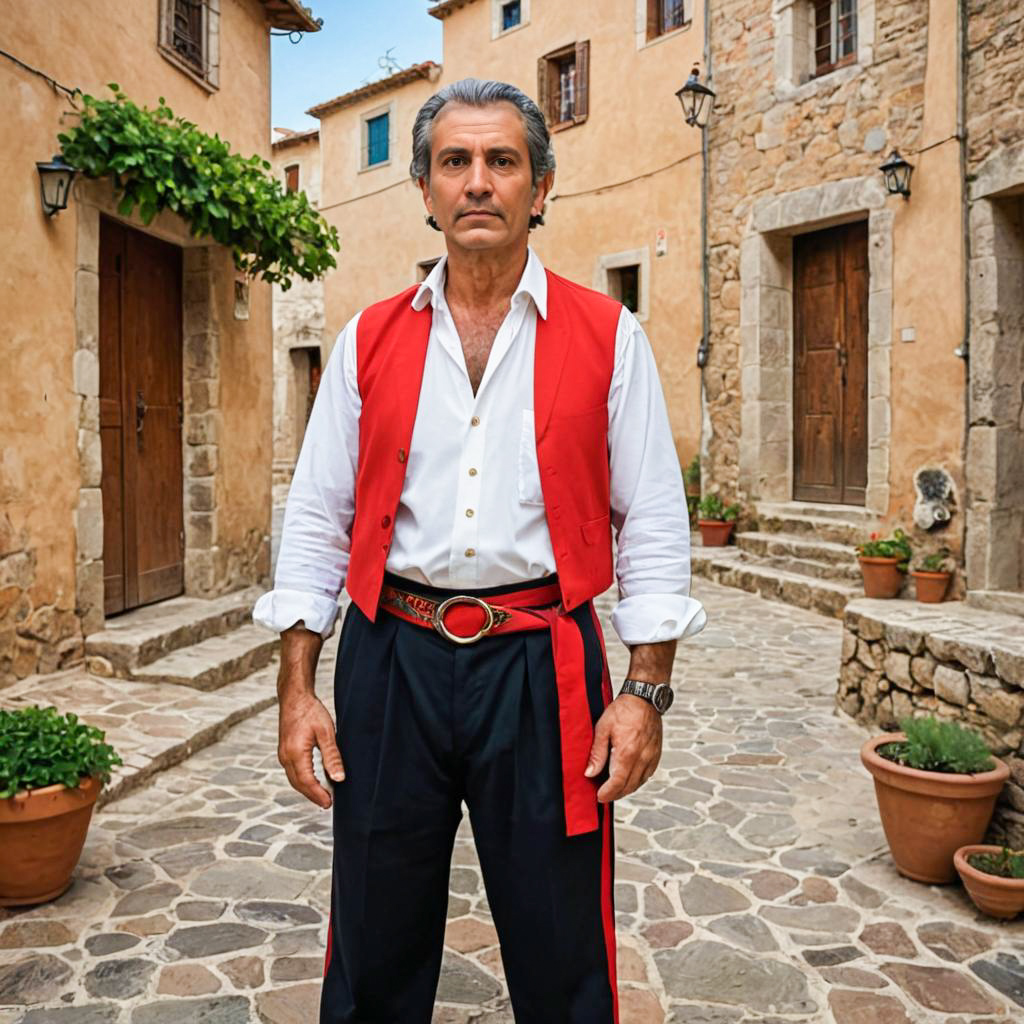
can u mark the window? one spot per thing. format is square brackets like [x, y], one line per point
[664, 16]
[624, 285]
[190, 37]
[377, 139]
[507, 15]
[511, 15]
[563, 79]
[835, 34]
[424, 267]
[291, 178]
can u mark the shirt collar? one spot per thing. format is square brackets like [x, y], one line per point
[532, 284]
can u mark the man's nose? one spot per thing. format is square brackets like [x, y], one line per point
[478, 182]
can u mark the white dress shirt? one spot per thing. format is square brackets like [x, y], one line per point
[471, 512]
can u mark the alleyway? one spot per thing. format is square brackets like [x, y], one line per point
[753, 883]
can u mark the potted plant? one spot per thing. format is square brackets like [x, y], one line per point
[936, 784]
[993, 877]
[691, 483]
[52, 768]
[883, 562]
[716, 520]
[932, 576]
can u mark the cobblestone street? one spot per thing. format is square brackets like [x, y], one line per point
[752, 881]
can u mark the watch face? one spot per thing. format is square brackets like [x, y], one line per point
[663, 697]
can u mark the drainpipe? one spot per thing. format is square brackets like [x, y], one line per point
[963, 350]
[704, 346]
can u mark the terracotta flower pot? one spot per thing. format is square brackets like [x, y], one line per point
[992, 894]
[931, 586]
[715, 533]
[42, 832]
[927, 816]
[882, 577]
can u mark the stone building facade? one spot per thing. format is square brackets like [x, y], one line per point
[298, 319]
[79, 542]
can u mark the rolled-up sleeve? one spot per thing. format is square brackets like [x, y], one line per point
[648, 502]
[316, 535]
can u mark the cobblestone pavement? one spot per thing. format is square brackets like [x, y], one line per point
[752, 880]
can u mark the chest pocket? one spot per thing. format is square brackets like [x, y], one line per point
[529, 473]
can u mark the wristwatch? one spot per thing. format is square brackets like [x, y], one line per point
[659, 694]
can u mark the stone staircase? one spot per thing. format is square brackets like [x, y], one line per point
[201, 643]
[801, 553]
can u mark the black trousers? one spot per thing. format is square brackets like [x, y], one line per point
[424, 725]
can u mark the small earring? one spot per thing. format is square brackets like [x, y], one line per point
[431, 222]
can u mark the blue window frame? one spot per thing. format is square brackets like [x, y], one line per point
[377, 140]
[511, 14]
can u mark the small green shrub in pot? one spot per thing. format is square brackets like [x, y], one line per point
[883, 562]
[711, 507]
[931, 745]
[52, 768]
[936, 784]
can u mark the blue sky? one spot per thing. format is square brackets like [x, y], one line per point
[344, 54]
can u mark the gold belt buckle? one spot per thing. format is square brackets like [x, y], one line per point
[439, 612]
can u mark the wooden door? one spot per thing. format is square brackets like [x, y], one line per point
[140, 417]
[830, 347]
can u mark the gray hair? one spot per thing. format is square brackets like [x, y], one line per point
[476, 92]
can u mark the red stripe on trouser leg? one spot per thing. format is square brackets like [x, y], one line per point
[330, 929]
[607, 908]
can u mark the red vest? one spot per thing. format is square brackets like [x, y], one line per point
[573, 360]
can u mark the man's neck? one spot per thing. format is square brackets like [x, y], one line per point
[483, 280]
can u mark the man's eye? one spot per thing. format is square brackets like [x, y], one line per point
[502, 161]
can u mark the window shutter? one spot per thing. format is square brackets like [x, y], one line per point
[543, 91]
[652, 18]
[582, 81]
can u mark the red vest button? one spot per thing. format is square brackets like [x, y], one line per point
[401, 455]
[385, 522]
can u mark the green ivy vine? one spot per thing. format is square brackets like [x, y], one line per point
[159, 161]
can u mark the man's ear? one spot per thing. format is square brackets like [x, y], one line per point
[541, 191]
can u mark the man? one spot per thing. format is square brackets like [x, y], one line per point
[472, 443]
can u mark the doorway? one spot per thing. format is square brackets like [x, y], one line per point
[830, 356]
[141, 416]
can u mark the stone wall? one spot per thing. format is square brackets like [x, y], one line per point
[903, 658]
[775, 131]
[995, 97]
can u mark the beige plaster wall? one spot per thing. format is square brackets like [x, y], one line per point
[631, 133]
[39, 390]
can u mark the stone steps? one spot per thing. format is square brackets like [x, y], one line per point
[736, 568]
[1005, 602]
[215, 662]
[806, 555]
[834, 524]
[145, 635]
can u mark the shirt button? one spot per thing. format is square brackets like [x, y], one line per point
[385, 522]
[401, 455]
[475, 421]
[472, 472]
[470, 552]
[469, 513]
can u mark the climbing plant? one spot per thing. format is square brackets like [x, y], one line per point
[159, 161]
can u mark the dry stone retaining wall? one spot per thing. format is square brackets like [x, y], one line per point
[902, 658]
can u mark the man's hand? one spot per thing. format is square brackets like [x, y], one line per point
[303, 721]
[633, 727]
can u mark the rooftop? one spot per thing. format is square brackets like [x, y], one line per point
[291, 15]
[428, 69]
[446, 7]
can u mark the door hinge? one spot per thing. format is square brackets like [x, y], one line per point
[181, 410]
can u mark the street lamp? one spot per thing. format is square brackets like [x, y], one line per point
[897, 175]
[697, 100]
[55, 184]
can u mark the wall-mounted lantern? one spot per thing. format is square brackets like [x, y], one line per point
[697, 100]
[897, 175]
[55, 179]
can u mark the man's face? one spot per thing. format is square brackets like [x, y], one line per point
[481, 189]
